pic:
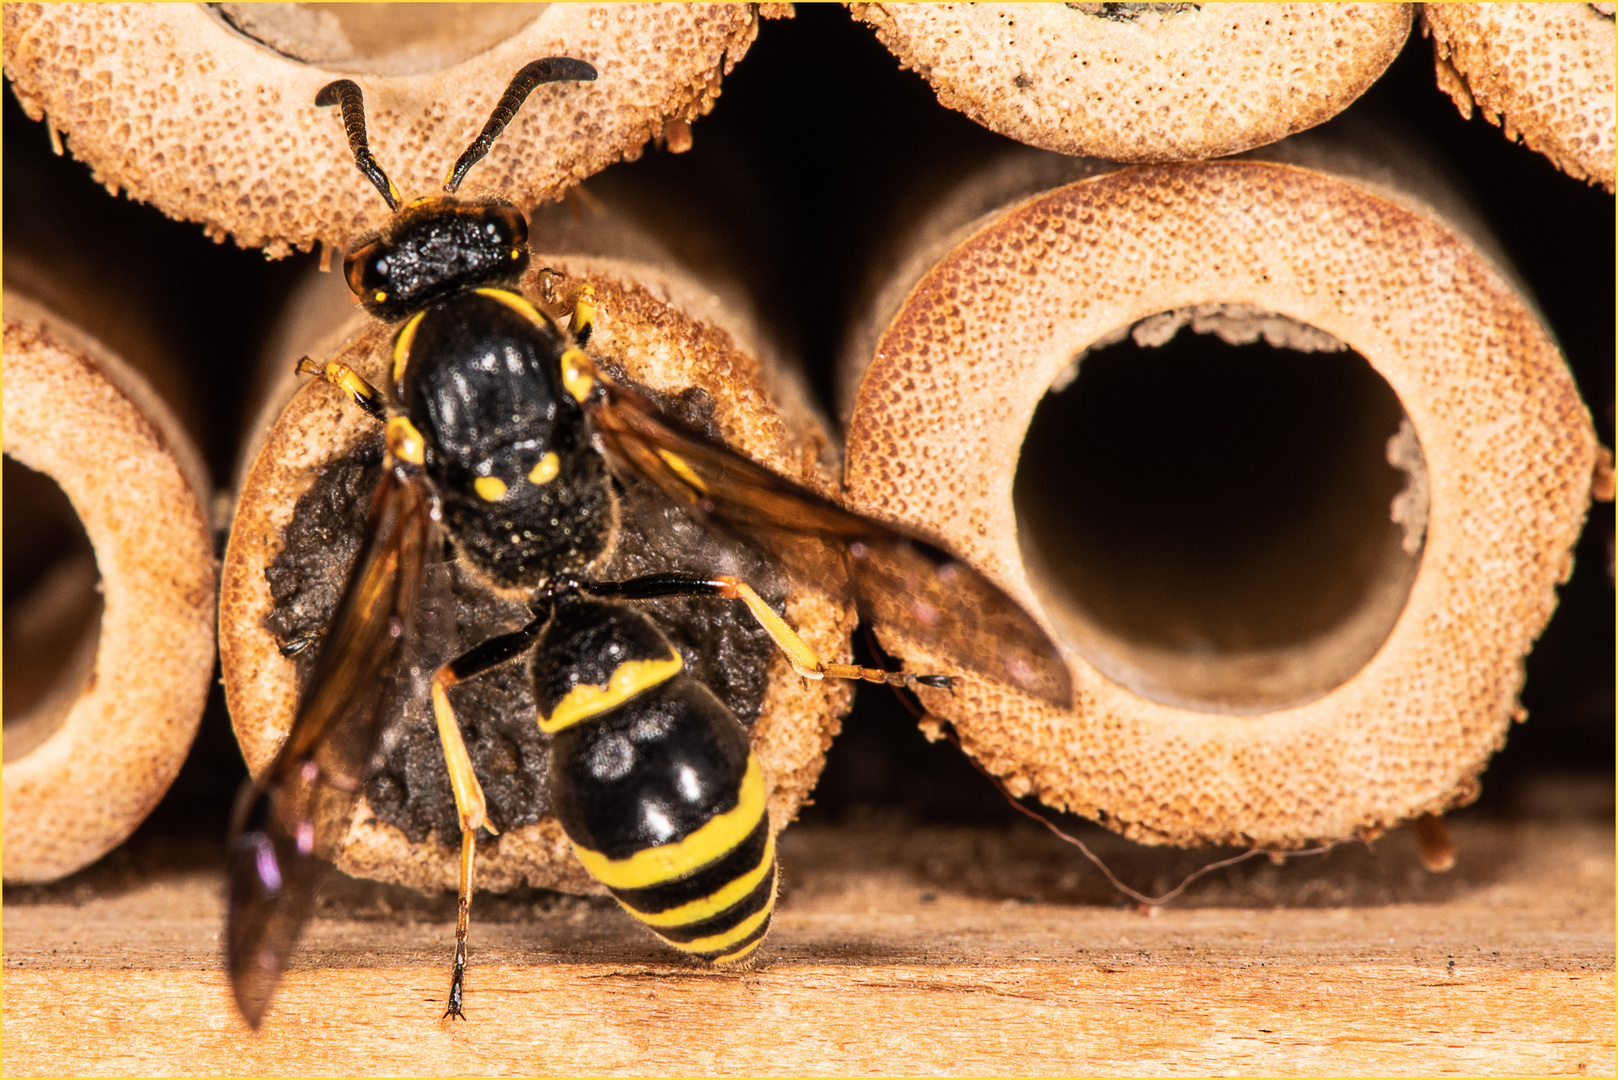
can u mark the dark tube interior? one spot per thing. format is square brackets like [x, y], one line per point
[52, 609]
[1209, 524]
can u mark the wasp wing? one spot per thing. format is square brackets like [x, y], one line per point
[901, 579]
[291, 820]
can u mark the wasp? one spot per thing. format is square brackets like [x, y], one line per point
[504, 441]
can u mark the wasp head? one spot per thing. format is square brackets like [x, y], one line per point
[437, 244]
[434, 246]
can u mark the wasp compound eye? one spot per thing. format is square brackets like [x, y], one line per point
[507, 227]
[514, 224]
[366, 270]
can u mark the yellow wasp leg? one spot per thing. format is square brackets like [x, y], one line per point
[582, 302]
[348, 380]
[798, 653]
[472, 808]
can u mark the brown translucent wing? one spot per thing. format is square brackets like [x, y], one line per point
[901, 579]
[290, 821]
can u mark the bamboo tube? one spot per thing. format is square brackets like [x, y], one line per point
[1543, 73]
[110, 651]
[207, 111]
[688, 335]
[1207, 710]
[1144, 82]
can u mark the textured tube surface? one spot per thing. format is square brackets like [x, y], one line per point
[1144, 82]
[964, 344]
[178, 107]
[1542, 72]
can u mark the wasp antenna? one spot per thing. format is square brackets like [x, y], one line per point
[346, 92]
[550, 69]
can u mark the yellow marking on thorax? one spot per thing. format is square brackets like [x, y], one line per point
[402, 343]
[669, 861]
[517, 304]
[681, 469]
[405, 442]
[545, 469]
[578, 374]
[490, 488]
[380, 297]
[715, 902]
[627, 680]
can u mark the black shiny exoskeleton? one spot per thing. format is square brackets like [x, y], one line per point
[661, 795]
[482, 389]
[502, 436]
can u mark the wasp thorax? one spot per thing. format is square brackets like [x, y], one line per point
[523, 492]
[433, 247]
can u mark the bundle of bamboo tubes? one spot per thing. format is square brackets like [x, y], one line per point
[1321, 660]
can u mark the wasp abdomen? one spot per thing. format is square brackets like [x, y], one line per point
[719, 912]
[661, 795]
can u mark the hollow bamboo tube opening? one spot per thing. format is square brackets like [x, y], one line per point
[110, 589]
[679, 328]
[1144, 82]
[1211, 525]
[1354, 716]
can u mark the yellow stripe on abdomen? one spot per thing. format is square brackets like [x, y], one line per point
[740, 954]
[724, 945]
[715, 902]
[666, 862]
[584, 700]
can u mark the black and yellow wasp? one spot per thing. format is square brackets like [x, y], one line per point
[505, 439]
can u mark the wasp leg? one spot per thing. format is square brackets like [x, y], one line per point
[582, 301]
[798, 653]
[347, 379]
[469, 801]
[463, 923]
[470, 805]
[295, 645]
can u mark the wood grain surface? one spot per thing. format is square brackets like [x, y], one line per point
[898, 951]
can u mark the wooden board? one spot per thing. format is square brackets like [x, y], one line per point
[897, 951]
